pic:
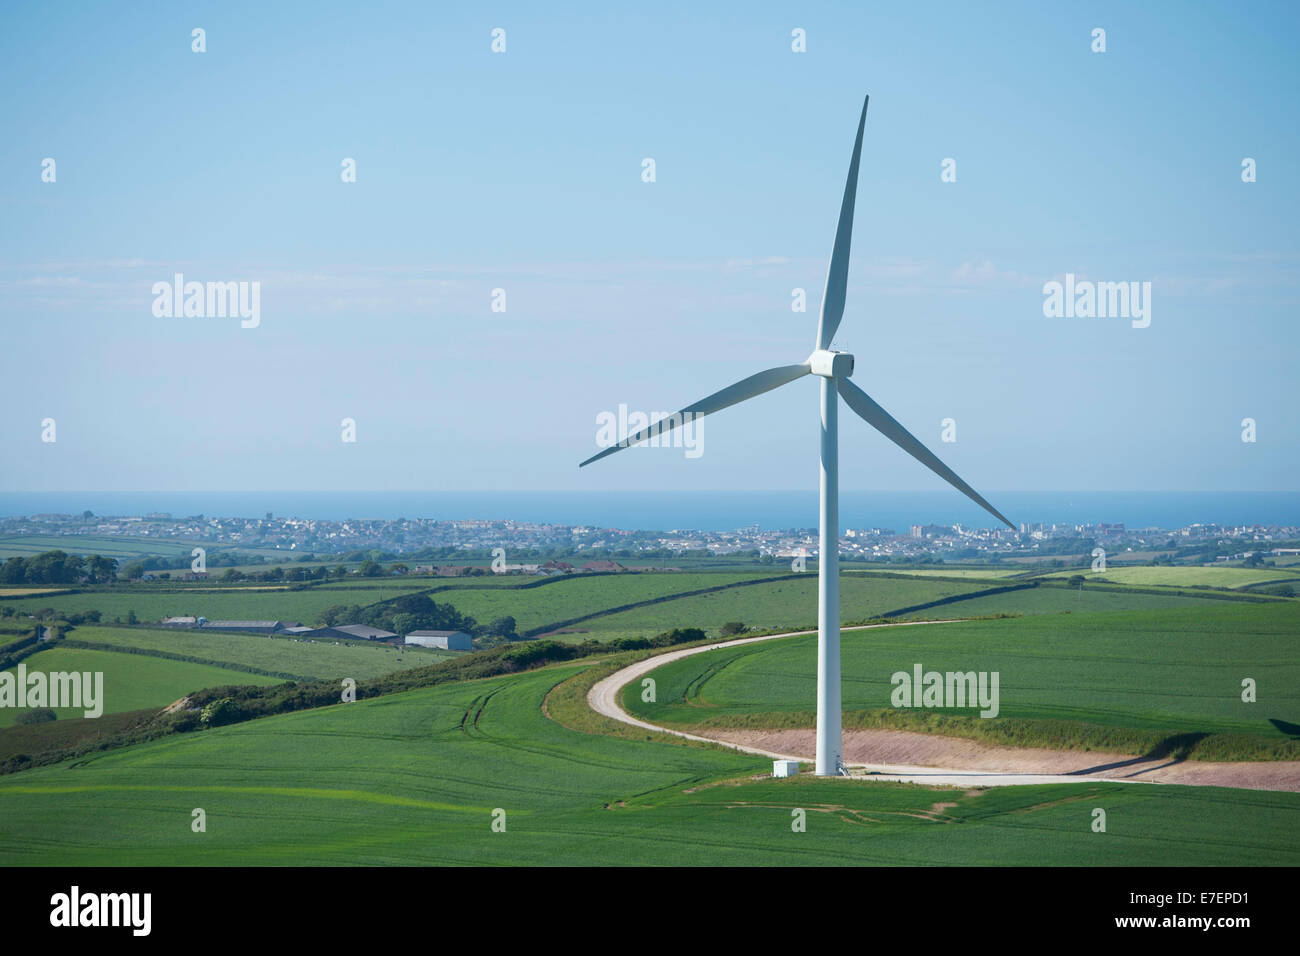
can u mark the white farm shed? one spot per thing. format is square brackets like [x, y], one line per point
[446, 640]
[785, 768]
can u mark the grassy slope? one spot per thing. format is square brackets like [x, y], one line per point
[8, 637]
[1177, 670]
[306, 660]
[133, 681]
[414, 778]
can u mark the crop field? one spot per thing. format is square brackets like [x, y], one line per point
[111, 546]
[415, 778]
[127, 548]
[1175, 670]
[1062, 600]
[591, 603]
[791, 602]
[1175, 576]
[980, 573]
[153, 603]
[483, 598]
[132, 681]
[568, 598]
[374, 587]
[306, 660]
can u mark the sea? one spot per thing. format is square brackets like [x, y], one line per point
[690, 510]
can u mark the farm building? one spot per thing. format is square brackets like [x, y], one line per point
[603, 566]
[253, 627]
[350, 632]
[187, 621]
[447, 640]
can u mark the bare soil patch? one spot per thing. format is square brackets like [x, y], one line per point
[911, 749]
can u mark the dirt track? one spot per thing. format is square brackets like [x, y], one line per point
[902, 748]
[949, 761]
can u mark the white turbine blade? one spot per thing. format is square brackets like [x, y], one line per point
[731, 395]
[837, 279]
[883, 422]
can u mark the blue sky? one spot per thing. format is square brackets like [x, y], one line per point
[522, 171]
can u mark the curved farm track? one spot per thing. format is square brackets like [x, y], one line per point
[911, 757]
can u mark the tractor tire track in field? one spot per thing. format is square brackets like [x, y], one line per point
[469, 725]
[603, 698]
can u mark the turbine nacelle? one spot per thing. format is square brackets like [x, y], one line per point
[830, 364]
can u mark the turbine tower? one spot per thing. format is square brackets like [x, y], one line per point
[834, 369]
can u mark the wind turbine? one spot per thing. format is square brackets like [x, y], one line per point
[834, 369]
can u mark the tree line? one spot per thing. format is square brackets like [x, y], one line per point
[58, 567]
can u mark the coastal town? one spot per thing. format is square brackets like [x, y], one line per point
[437, 543]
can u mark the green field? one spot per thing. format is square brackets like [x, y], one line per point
[1190, 576]
[789, 603]
[590, 603]
[374, 587]
[126, 548]
[306, 660]
[151, 603]
[991, 574]
[483, 598]
[1063, 600]
[132, 681]
[123, 548]
[1170, 670]
[414, 779]
[571, 597]
[8, 637]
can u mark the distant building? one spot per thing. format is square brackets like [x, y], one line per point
[350, 632]
[250, 627]
[180, 621]
[603, 566]
[447, 640]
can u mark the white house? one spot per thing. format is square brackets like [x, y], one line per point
[447, 640]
